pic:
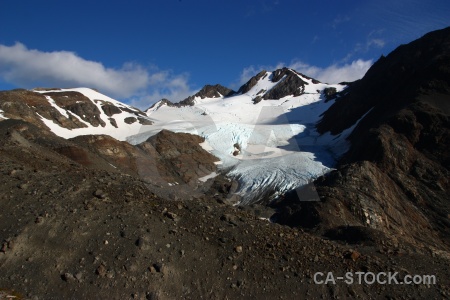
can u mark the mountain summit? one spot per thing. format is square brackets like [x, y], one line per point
[208, 91]
[285, 82]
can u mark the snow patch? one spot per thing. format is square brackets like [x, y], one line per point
[209, 176]
[2, 116]
[59, 109]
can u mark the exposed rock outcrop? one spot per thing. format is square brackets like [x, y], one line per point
[29, 106]
[208, 91]
[290, 84]
[78, 104]
[252, 82]
[395, 177]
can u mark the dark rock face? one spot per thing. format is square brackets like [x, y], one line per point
[113, 122]
[290, 85]
[25, 105]
[257, 99]
[419, 69]
[144, 121]
[329, 93]
[130, 120]
[252, 82]
[111, 110]
[77, 154]
[214, 91]
[80, 105]
[395, 178]
[208, 91]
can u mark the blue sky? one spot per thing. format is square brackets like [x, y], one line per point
[142, 51]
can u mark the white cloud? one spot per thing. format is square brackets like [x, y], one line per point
[334, 73]
[25, 67]
[174, 88]
[30, 68]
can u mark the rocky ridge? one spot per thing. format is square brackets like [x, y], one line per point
[208, 91]
[288, 83]
[395, 177]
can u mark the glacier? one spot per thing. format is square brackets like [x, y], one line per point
[278, 146]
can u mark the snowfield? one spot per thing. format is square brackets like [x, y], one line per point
[1, 114]
[269, 145]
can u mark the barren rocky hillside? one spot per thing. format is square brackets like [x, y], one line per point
[73, 226]
[395, 177]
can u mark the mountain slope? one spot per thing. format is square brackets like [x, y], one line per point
[395, 176]
[73, 112]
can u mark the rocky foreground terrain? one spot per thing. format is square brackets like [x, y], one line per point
[92, 217]
[75, 230]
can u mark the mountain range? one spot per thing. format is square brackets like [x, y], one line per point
[360, 165]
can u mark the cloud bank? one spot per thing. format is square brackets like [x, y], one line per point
[335, 73]
[30, 68]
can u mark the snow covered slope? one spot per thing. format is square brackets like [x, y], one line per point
[269, 145]
[83, 111]
[1, 114]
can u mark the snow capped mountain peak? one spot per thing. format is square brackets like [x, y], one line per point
[208, 91]
[214, 91]
[279, 84]
[73, 112]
